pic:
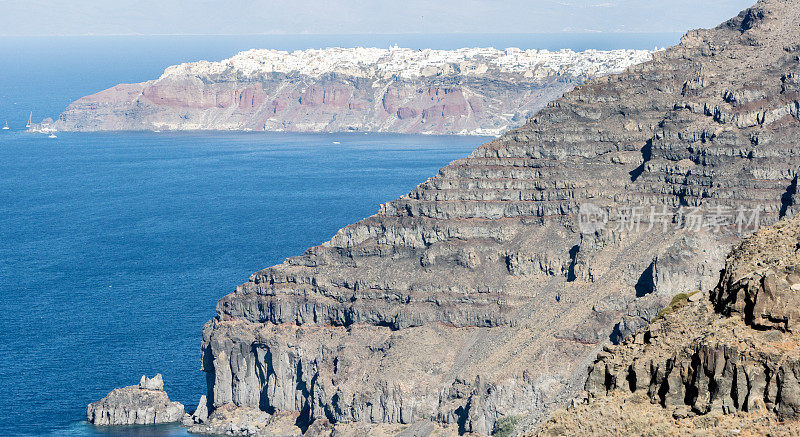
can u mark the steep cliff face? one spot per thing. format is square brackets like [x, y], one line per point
[467, 91]
[727, 362]
[485, 292]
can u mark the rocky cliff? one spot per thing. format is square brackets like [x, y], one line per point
[727, 362]
[467, 91]
[487, 291]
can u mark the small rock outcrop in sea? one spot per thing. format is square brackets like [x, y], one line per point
[200, 414]
[143, 404]
[726, 362]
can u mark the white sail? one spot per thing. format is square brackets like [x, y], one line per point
[29, 119]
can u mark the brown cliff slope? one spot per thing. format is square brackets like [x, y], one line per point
[699, 371]
[477, 296]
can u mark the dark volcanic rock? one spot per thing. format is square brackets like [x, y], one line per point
[143, 404]
[476, 296]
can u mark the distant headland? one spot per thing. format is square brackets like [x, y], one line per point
[471, 91]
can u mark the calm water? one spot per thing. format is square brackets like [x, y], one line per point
[115, 247]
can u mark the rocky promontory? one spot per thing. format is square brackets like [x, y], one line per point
[143, 404]
[480, 91]
[478, 301]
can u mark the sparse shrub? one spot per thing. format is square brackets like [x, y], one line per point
[677, 302]
[504, 427]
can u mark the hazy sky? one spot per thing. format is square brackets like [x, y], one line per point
[114, 17]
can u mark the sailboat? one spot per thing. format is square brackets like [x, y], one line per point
[29, 120]
[6, 126]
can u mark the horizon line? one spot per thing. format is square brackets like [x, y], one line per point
[583, 32]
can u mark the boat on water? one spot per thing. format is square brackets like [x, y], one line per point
[52, 136]
[5, 127]
[29, 120]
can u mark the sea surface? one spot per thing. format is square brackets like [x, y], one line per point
[114, 247]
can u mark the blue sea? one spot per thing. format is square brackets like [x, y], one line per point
[114, 247]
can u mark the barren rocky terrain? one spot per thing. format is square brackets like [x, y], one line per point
[722, 363]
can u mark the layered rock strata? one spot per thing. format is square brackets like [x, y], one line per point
[143, 404]
[482, 294]
[469, 91]
[735, 352]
